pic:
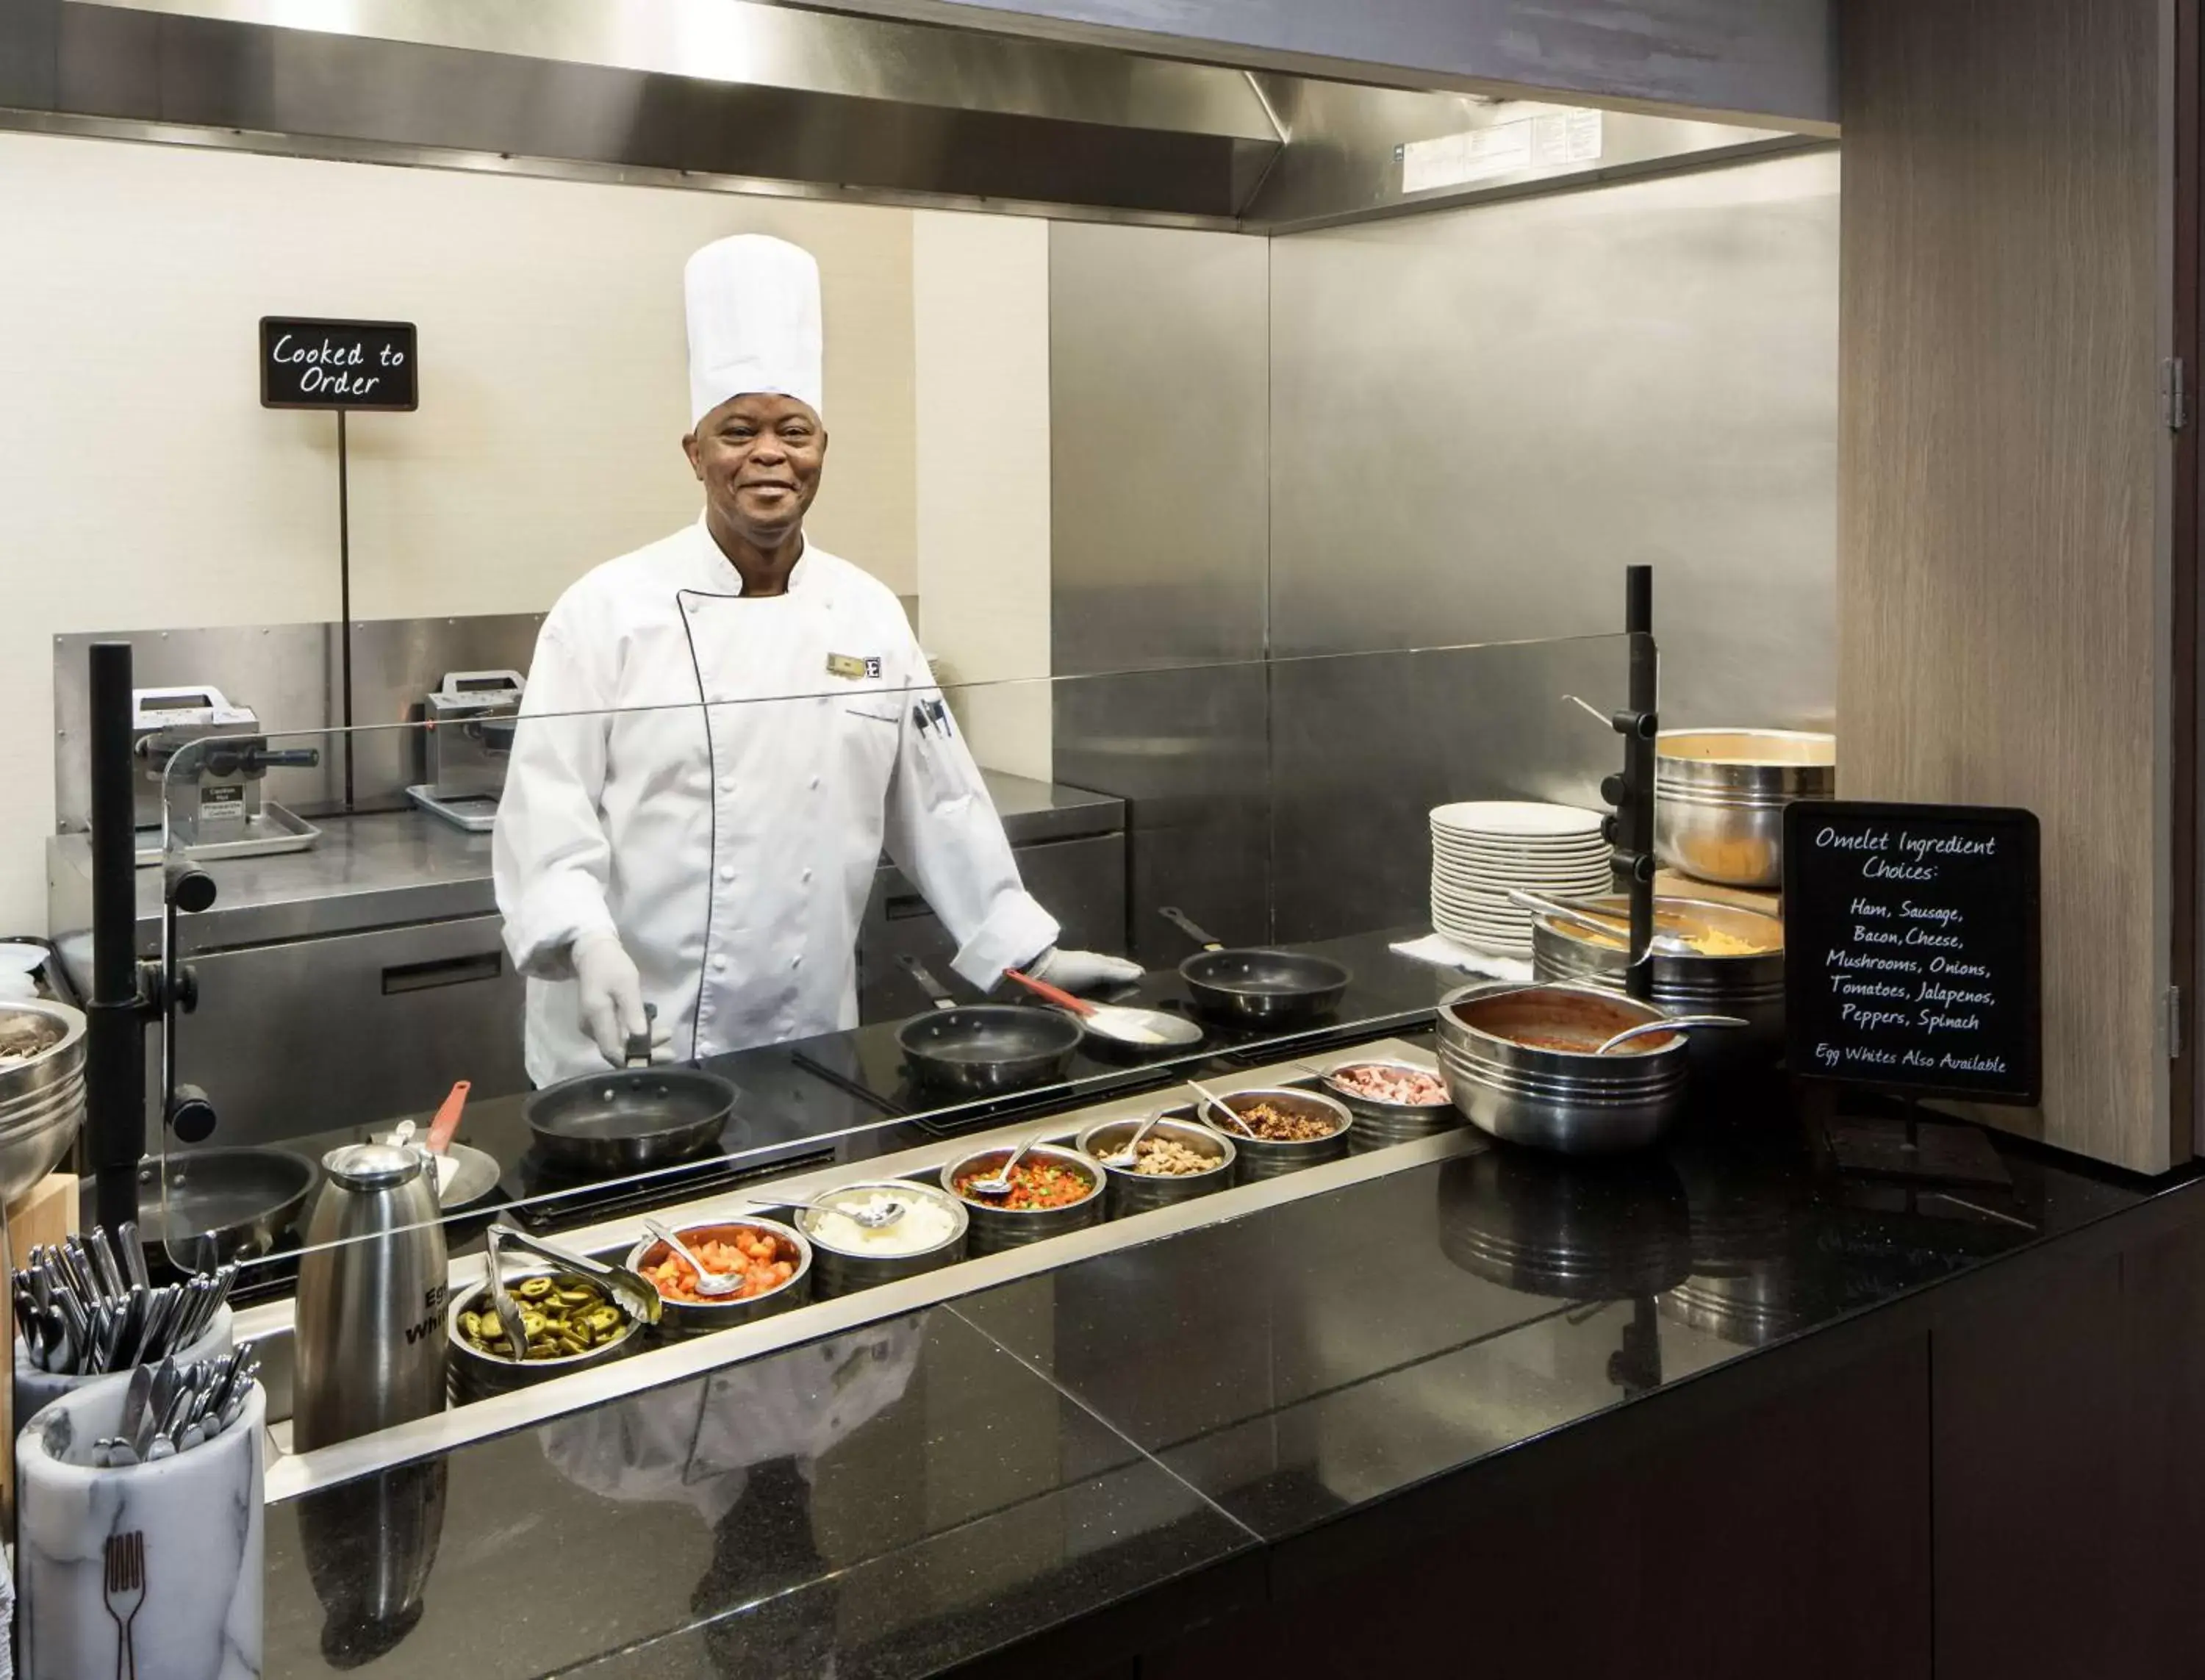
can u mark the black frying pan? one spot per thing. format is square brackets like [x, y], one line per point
[632, 1118]
[205, 1207]
[983, 1049]
[1275, 991]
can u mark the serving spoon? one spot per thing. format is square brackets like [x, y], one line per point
[1649, 1028]
[1130, 1154]
[999, 1183]
[709, 1283]
[1223, 1108]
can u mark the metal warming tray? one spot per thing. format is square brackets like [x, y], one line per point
[831, 1312]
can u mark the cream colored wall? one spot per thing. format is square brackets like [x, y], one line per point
[980, 302]
[142, 484]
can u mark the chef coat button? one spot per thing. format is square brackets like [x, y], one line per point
[797, 961]
[807, 875]
[727, 871]
[693, 605]
[815, 784]
[719, 965]
[727, 784]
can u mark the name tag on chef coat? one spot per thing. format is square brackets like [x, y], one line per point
[851, 668]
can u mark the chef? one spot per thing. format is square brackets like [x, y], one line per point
[721, 731]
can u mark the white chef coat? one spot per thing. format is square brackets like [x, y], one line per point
[731, 844]
[695, 1442]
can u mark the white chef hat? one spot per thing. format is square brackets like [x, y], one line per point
[753, 322]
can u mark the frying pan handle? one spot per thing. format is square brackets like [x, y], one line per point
[934, 989]
[448, 1118]
[639, 1043]
[1056, 994]
[1180, 919]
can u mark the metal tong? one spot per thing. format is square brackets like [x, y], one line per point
[633, 1290]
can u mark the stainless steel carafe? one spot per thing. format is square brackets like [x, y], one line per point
[371, 1290]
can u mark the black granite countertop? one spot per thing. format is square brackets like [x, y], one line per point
[1135, 1433]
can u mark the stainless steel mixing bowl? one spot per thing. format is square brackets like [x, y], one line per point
[1565, 1100]
[1720, 795]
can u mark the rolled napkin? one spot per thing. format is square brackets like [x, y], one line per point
[155, 1568]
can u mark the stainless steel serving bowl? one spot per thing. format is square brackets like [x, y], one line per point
[1132, 1192]
[837, 1271]
[476, 1375]
[995, 1229]
[1567, 1100]
[42, 1097]
[1568, 1230]
[1748, 986]
[699, 1318]
[1720, 795]
[1269, 1158]
[1379, 1123]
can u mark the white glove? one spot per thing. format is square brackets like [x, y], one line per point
[611, 998]
[1083, 971]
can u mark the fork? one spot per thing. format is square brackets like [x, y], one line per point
[124, 1556]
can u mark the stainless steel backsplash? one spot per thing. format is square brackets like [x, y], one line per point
[289, 673]
[1470, 422]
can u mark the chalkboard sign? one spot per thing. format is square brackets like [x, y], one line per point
[1910, 938]
[306, 364]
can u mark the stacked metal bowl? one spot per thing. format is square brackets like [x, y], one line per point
[843, 1268]
[994, 1228]
[1379, 1123]
[1133, 1192]
[1740, 973]
[474, 1374]
[1257, 1158]
[1720, 795]
[679, 1318]
[1496, 1052]
[41, 1091]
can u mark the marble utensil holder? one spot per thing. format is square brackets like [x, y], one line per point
[159, 1562]
[36, 1390]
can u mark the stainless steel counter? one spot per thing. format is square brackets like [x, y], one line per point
[395, 867]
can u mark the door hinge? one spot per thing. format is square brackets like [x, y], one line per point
[2173, 1023]
[2173, 394]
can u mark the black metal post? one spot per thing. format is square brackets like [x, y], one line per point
[1637, 811]
[115, 1029]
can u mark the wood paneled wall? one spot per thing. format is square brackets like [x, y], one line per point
[2004, 635]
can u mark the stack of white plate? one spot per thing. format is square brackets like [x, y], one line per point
[1482, 850]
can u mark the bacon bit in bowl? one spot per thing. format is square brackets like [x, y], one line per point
[762, 1260]
[1267, 1121]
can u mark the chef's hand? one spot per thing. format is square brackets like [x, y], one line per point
[611, 997]
[1083, 971]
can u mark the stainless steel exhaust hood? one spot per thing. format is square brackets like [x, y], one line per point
[737, 95]
[775, 98]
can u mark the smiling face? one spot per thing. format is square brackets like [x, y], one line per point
[759, 458]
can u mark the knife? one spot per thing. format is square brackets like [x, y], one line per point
[133, 1403]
